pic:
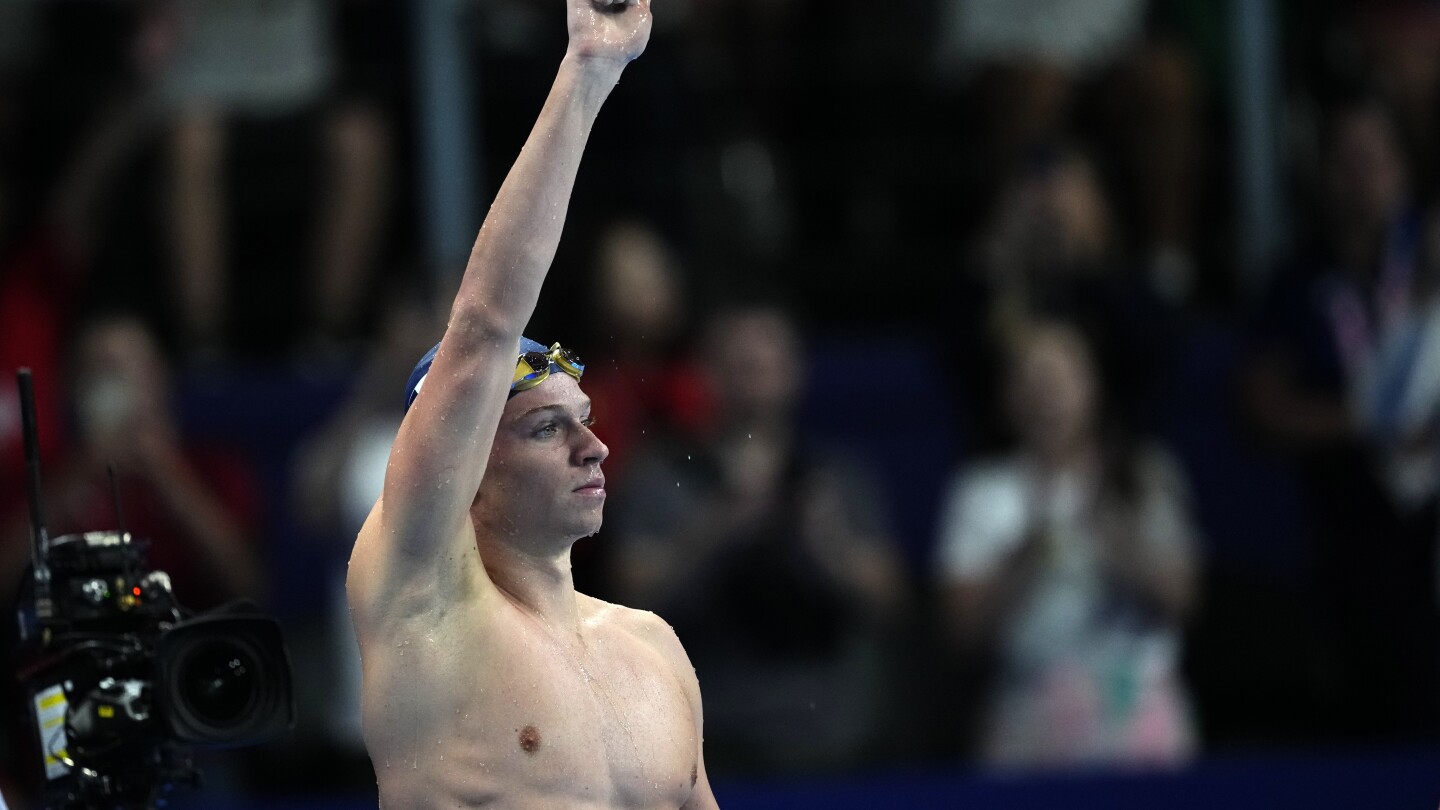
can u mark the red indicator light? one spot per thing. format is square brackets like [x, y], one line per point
[135, 590]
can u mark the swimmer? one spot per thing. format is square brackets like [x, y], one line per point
[488, 680]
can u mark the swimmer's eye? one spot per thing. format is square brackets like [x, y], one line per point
[588, 421]
[547, 430]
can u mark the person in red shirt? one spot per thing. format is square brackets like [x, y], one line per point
[194, 503]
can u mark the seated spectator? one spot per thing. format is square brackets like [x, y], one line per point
[1051, 243]
[1067, 563]
[772, 556]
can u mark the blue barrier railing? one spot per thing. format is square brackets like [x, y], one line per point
[1380, 780]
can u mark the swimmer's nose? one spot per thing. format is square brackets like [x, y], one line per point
[591, 450]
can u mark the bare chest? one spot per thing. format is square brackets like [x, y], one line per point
[600, 723]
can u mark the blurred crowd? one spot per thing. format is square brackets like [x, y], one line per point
[946, 424]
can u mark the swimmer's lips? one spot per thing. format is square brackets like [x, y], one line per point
[595, 487]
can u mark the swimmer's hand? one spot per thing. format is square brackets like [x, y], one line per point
[609, 29]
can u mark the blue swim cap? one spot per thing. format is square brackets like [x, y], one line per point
[422, 368]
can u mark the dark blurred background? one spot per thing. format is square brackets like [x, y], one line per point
[1010, 401]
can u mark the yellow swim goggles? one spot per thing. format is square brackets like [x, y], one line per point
[533, 367]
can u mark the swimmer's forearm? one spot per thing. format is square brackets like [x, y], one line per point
[521, 232]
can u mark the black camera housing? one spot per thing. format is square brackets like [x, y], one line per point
[123, 682]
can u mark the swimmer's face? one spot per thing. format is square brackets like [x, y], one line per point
[543, 479]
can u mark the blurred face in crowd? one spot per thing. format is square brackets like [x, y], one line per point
[1364, 170]
[120, 378]
[756, 364]
[1051, 395]
[638, 288]
[1053, 218]
[1077, 208]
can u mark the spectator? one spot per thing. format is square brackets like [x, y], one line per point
[1068, 565]
[245, 75]
[641, 377]
[49, 234]
[1336, 381]
[1052, 243]
[1118, 72]
[196, 502]
[1399, 41]
[772, 556]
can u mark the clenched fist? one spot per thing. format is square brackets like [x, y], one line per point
[609, 29]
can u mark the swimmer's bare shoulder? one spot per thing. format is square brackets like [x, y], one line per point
[656, 635]
[648, 629]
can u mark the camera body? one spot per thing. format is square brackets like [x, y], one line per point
[122, 682]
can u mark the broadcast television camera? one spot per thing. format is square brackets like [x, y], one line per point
[121, 681]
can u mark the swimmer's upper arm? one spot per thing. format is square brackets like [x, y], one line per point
[440, 452]
[417, 546]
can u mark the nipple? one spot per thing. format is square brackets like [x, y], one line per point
[530, 740]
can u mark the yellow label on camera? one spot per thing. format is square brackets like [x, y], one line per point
[50, 709]
[106, 711]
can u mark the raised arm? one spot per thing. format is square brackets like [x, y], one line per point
[421, 523]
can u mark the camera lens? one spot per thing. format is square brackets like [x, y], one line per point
[224, 680]
[219, 681]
